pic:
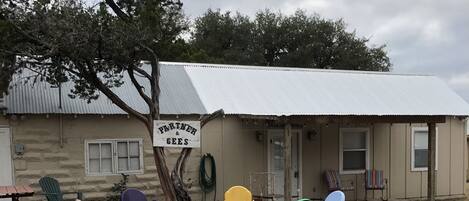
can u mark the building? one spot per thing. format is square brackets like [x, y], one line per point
[340, 120]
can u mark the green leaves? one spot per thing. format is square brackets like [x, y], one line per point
[273, 39]
[70, 40]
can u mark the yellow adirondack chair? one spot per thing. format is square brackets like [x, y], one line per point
[238, 193]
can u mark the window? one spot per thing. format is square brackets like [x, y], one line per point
[2, 101]
[420, 148]
[107, 157]
[354, 150]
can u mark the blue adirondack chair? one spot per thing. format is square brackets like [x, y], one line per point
[51, 189]
[133, 195]
[335, 196]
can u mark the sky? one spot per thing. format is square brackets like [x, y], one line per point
[422, 36]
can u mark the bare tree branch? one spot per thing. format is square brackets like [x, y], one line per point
[118, 11]
[139, 87]
[93, 77]
[143, 73]
[207, 118]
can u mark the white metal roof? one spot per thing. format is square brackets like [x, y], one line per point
[189, 88]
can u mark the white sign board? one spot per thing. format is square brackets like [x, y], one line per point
[176, 133]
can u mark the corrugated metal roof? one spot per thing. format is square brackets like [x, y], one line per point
[189, 88]
[178, 96]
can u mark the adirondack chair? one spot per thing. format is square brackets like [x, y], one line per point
[332, 179]
[374, 180]
[335, 196]
[238, 193]
[51, 189]
[133, 195]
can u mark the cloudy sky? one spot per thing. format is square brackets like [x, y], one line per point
[422, 36]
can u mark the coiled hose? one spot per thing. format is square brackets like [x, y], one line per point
[208, 182]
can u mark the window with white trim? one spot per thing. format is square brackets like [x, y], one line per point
[354, 145]
[113, 156]
[419, 153]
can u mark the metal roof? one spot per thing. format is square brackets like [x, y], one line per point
[189, 88]
[178, 96]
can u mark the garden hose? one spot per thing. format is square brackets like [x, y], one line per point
[208, 182]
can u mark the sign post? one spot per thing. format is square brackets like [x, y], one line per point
[168, 133]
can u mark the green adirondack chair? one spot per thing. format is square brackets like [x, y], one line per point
[51, 189]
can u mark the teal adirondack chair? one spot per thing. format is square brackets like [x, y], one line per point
[51, 189]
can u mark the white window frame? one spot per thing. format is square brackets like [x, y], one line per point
[341, 149]
[412, 150]
[115, 170]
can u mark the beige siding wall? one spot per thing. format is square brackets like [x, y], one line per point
[237, 153]
[405, 183]
[44, 156]
[3, 121]
[390, 151]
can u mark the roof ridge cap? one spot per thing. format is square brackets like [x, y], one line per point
[281, 68]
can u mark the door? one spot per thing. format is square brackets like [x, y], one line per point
[276, 162]
[6, 171]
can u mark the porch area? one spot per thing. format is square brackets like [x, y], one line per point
[253, 153]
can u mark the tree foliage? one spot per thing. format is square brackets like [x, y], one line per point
[65, 39]
[274, 39]
[94, 46]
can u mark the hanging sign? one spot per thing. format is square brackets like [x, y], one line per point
[176, 133]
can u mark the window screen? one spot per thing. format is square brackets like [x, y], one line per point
[420, 149]
[354, 149]
[100, 157]
[114, 156]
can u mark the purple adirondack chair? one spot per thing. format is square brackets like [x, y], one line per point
[133, 195]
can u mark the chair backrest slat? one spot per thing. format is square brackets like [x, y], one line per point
[332, 178]
[374, 179]
[51, 188]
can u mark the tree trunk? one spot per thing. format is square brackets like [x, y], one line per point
[177, 175]
[163, 174]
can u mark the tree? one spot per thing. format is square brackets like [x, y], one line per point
[273, 39]
[66, 40]
[223, 38]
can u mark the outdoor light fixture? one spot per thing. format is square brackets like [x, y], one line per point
[312, 135]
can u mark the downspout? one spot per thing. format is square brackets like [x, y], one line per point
[61, 134]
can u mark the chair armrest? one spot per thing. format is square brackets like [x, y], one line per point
[79, 194]
[48, 193]
[71, 192]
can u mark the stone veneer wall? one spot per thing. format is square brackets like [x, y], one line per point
[44, 156]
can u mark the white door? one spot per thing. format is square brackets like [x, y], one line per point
[6, 171]
[276, 162]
